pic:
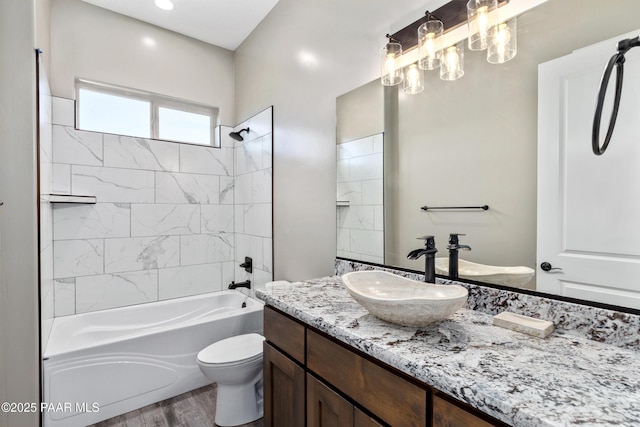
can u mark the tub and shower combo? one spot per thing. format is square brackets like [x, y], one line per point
[106, 363]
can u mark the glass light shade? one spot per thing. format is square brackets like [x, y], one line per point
[452, 67]
[413, 80]
[429, 49]
[479, 21]
[391, 68]
[502, 42]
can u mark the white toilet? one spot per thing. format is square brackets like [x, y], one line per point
[235, 363]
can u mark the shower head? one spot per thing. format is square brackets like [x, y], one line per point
[237, 136]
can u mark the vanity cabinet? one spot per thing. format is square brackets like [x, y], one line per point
[312, 380]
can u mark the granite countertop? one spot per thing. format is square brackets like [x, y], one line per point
[562, 380]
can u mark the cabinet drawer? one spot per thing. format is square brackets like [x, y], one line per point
[446, 414]
[386, 395]
[287, 334]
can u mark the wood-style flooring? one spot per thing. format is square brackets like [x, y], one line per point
[196, 408]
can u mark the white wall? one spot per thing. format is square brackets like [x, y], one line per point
[19, 355]
[299, 59]
[93, 43]
[360, 112]
[43, 32]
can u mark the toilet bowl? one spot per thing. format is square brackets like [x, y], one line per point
[235, 364]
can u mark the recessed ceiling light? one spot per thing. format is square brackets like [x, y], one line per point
[164, 4]
[149, 42]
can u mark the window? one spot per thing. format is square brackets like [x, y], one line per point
[110, 109]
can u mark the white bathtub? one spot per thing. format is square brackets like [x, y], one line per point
[102, 364]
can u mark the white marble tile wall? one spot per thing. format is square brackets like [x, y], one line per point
[163, 224]
[47, 170]
[253, 199]
[360, 225]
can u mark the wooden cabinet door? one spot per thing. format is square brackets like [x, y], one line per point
[446, 414]
[325, 408]
[284, 390]
[360, 419]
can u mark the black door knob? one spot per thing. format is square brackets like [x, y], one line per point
[548, 267]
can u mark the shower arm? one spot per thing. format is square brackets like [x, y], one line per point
[616, 60]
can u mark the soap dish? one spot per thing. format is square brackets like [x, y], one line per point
[526, 325]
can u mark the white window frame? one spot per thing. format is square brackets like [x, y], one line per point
[156, 101]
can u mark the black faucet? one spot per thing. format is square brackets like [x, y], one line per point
[429, 252]
[245, 284]
[454, 246]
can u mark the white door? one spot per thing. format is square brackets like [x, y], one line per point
[588, 205]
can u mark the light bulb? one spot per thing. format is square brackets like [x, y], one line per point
[413, 80]
[451, 57]
[390, 64]
[502, 36]
[429, 45]
[502, 43]
[452, 67]
[483, 20]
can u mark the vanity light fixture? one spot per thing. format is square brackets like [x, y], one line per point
[479, 20]
[413, 80]
[485, 30]
[502, 42]
[429, 38]
[392, 73]
[164, 4]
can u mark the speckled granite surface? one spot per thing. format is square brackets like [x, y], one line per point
[563, 380]
[598, 324]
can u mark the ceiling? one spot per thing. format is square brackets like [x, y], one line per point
[224, 23]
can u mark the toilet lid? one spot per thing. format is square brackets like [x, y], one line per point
[233, 349]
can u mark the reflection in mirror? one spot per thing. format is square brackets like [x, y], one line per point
[474, 141]
[360, 214]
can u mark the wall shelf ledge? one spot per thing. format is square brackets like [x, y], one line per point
[69, 198]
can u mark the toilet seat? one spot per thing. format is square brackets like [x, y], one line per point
[232, 351]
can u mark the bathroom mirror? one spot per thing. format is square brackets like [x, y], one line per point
[473, 141]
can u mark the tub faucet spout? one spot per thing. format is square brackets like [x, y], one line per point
[245, 284]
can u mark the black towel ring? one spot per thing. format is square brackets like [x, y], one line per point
[616, 60]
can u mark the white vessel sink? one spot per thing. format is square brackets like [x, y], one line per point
[507, 276]
[403, 301]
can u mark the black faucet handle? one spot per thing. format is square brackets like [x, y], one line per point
[453, 237]
[454, 242]
[429, 241]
